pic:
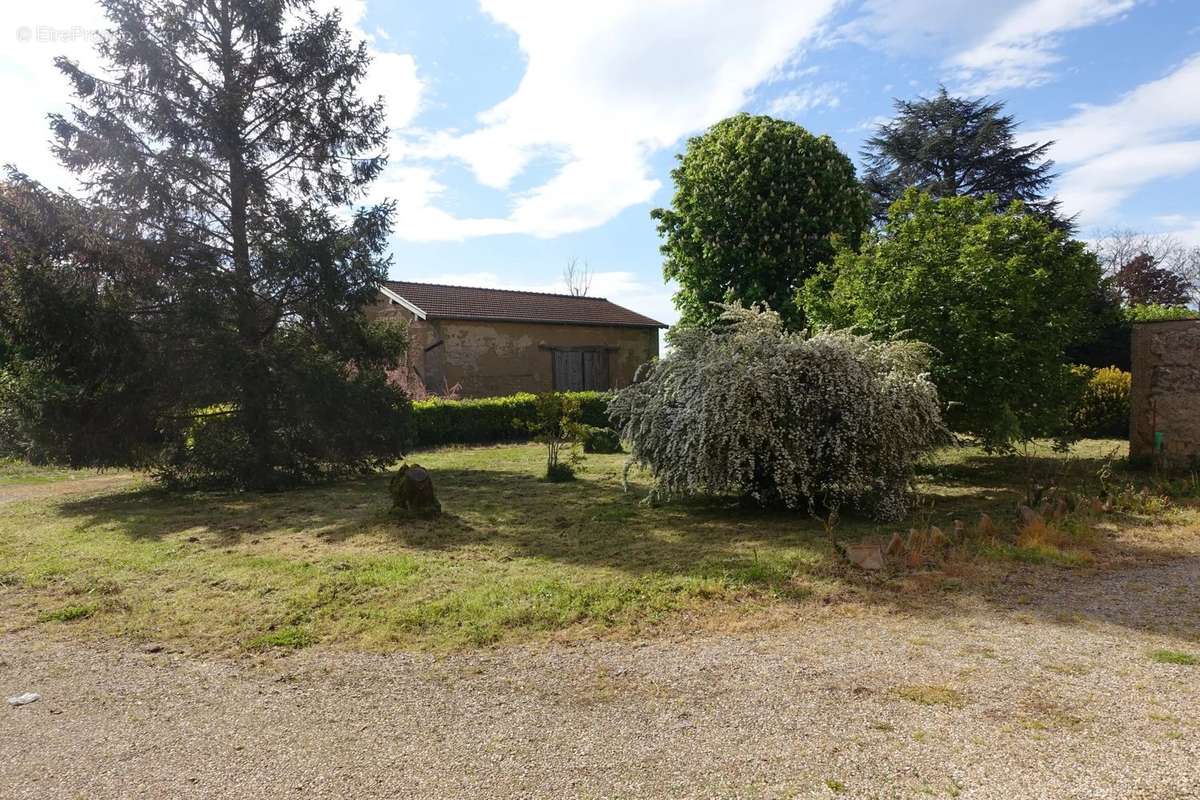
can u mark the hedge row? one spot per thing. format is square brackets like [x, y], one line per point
[1103, 409]
[491, 419]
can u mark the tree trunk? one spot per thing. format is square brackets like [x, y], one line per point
[254, 392]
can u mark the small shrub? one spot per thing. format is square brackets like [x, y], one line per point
[560, 472]
[601, 440]
[558, 427]
[1129, 499]
[68, 613]
[749, 409]
[1103, 409]
[1174, 657]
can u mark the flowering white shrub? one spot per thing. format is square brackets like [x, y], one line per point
[750, 409]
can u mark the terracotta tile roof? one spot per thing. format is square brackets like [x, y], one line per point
[469, 302]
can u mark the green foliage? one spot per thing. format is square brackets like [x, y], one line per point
[601, 440]
[1177, 657]
[758, 205]
[69, 613]
[951, 146]
[1001, 296]
[557, 425]
[1149, 312]
[560, 472]
[749, 409]
[328, 419]
[216, 146]
[1103, 408]
[289, 637]
[79, 382]
[489, 420]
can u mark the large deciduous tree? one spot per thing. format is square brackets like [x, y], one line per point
[1141, 281]
[948, 146]
[1117, 248]
[758, 205]
[226, 137]
[1000, 295]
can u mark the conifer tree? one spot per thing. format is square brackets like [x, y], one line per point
[230, 139]
[953, 146]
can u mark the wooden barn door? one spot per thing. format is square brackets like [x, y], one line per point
[595, 370]
[580, 370]
[568, 371]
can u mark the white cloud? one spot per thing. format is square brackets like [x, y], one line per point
[993, 45]
[416, 190]
[392, 75]
[34, 34]
[1153, 112]
[1185, 230]
[871, 124]
[1020, 51]
[1148, 134]
[1096, 188]
[807, 98]
[914, 27]
[606, 86]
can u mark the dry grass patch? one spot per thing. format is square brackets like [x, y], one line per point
[931, 695]
[1043, 713]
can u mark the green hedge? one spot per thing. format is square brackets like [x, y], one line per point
[1103, 409]
[491, 419]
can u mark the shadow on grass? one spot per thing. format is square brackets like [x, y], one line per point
[973, 467]
[502, 515]
[225, 519]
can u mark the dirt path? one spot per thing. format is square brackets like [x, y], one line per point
[1054, 697]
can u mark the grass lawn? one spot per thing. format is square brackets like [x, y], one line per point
[512, 558]
[17, 472]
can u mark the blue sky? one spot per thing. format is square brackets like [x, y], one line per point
[526, 132]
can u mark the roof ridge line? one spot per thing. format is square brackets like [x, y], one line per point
[509, 291]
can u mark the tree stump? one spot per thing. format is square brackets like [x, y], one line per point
[412, 492]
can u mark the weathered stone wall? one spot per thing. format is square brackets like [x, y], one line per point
[487, 359]
[1166, 391]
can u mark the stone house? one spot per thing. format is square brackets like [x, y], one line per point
[490, 342]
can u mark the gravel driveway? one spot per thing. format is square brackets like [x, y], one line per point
[1052, 697]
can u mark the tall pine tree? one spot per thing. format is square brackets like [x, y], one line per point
[229, 134]
[950, 146]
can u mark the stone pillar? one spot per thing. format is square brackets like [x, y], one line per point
[1164, 424]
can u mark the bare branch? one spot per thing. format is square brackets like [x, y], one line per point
[578, 278]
